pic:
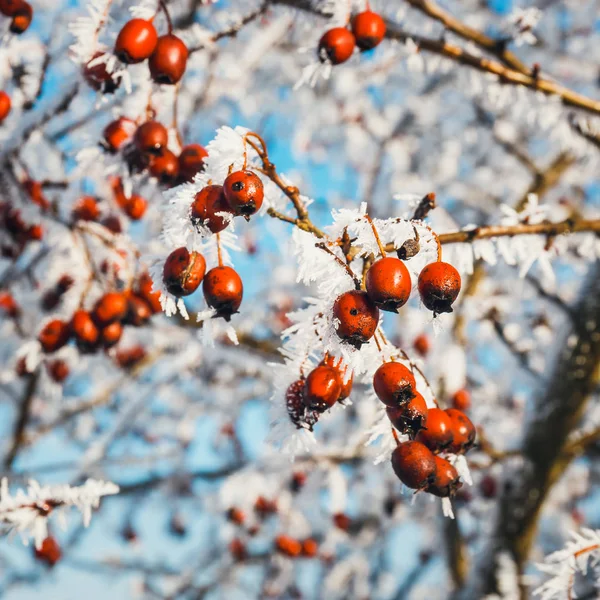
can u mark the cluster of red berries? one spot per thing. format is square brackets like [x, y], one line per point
[337, 45]
[20, 13]
[307, 398]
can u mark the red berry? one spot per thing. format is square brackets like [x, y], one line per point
[86, 209]
[310, 548]
[223, 291]
[437, 430]
[244, 192]
[422, 344]
[135, 207]
[237, 549]
[5, 105]
[358, 317]
[265, 507]
[488, 486]
[21, 19]
[461, 400]
[112, 223]
[110, 308]
[136, 41]
[235, 515]
[414, 464]
[111, 334]
[35, 191]
[463, 431]
[446, 481]
[58, 370]
[152, 137]
[54, 335]
[138, 311]
[145, 291]
[10, 7]
[129, 357]
[191, 161]
[35, 232]
[394, 384]
[165, 167]
[84, 330]
[98, 78]
[409, 417]
[330, 361]
[288, 546]
[49, 552]
[369, 29]
[8, 305]
[294, 401]
[207, 207]
[168, 61]
[118, 133]
[183, 272]
[336, 45]
[439, 285]
[342, 521]
[322, 388]
[388, 283]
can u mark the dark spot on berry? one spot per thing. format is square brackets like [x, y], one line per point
[238, 186]
[353, 311]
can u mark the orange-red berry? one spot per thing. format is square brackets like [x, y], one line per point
[422, 344]
[414, 464]
[145, 285]
[8, 304]
[210, 208]
[223, 291]
[357, 317]
[336, 45]
[191, 161]
[322, 388]
[394, 384]
[310, 548]
[409, 417]
[49, 552]
[183, 272]
[110, 308]
[463, 431]
[5, 105]
[152, 137]
[388, 283]
[439, 285]
[169, 59]
[111, 334]
[86, 209]
[54, 335]
[138, 311]
[369, 29]
[437, 430]
[129, 357]
[331, 361]
[136, 41]
[446, 481]
[118, 133]
[165, 167]
[22, 18]
[237, 549]
[244, 192]
[461, 400]
[84, 330]
[288, 546]
[135, 207]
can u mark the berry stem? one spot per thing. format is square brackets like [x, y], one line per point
[344, 265]
[163, 6]
[219, 253]
[395, 434]
[175, 123]
[376, 234]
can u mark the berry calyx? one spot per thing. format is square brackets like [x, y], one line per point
[296, 408]
[358, 317]
[244, 192]
[84, 330]
[322, 388]
[394, 384]
[336, 45]
[223, 291]
[388, 283]
[414, 464]
[210, 208]
[463, 431]
[446, 481]
[191, 161]
[22, 18]
[118, 133]
[54, 335]
[408, 417]
[151, 137]
[98, 78]
[439, 285]
[183, 272]
[169, 59]
[5, 105]
[437, 430]
[136, 41]
[368, 29]
[110, 308]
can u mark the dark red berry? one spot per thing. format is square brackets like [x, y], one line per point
[151, 137]
[165, 167]
[463, 431]
[439, 285]
[168, 61]
[394, 384]
[49, 552]
[86, 209]
[446, 481]
[98, 78]
[118, 133]
[191, 161]
[294, 401]
[136, 41]
[336, 45]
[210, 208]
[183, 272]
[369, 29]
[9, 8]
[409, 417]
[414, 464]
[58, 370]
[244, 192]
[223, 291]
[461, 400]
[322, 388]
[22, 18]
[422, 344]
[138, 311]
[488, 486]
[358, 317]
[437, 430]
[54, 335]
[388, 283]
[129, 357]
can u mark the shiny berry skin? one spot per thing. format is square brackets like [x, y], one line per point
[209, 201]
[358, 317]
[86, 209]
[439, 285]
[223, 291]
[5, 105]
[461, 400]
[334, 363]
[151, 137]
[368, 29]
[136, 41]
[165, 167]
[145, 285]
[414, 464]
[111, 334]
[388, 283]
[183, 272]
[446, 481]
[409, 417]
[58, 370]
[168, 61]
[437, 430]
[49, 552]
[191, 161]
[110, 308]
[422, 344]
[98, 78]
[9, 8]
[294, 402]
[118, 133]
[322, 388]
[21, 19]
[394, 384]
[336, 45]
[138, 311]
[135, 207]
[463, 430]
[54, 335]
[288, 546]
[244, 192]
[84, 330]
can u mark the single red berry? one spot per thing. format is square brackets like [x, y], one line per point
[265, 507]
[8, 304]
[336, 45]
[54, 335]
[342, 521]
[49, 552]
[145, 285]
[35, 232]
[223, 291]
[388, 283]
[84, 330]
[5, 105]
[368, 29]
[118, 133]
[168, 61]
[138, 311]
[235, 515]
[22, 18]
[86, 209]
[64, 284]
[296, 408]
[414, 464]
[135, 207]
[9, 8]
[488, 486]
[129, 357]
[461, 400]
[409, 417]
[112, 223]
[446, 481]
[322, 388]
[191, 161]
[298, 481]
[35, 191]
[334, 363]
[210, 208]
[237, 549]
[111, 334]
[110, 308]
[151, 137]
[288, 546]
[437, 430]
[136, 41]
[183, 272]
[244, 192]
[98, 78]
[422, 344]
[165, 167]
[310, 548]
[58, 370]
[394, 384]
[358, 317]
[463, 431]
[439, 285]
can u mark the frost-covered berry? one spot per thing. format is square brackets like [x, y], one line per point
[388, 283]
[409, 417]
[244, 192]
[98, 78]
[463, 431]
[446, 481]
[118, 133]
[54, 335]
[183, 272]
[136, 41]
[84, 330]
[210, 208]
[394, 384]
[191, 161]
[358, 317]
[414, 464]
[322, 388]
[336, 45]
[223, 291]
[165, 167]
[5, 105]
[437, 430]
[296, 408]
[49, 552]
[86, 209]
[368, 29]
[151, 137]
[110, 308]
[168, 61]
[439, 285]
